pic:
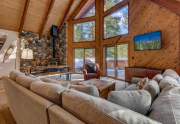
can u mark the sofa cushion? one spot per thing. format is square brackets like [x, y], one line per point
[158, 78]
[132, 87]
[50, 91]
[153, 88]
[25, 81]
[61, 82]
[88, 89]
[138, 100]
[14, 74]
[94, 110]
[168, 81]
[91, 67]
[135, 80]
[166, 108]
[171, 73]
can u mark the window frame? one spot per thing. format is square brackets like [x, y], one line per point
[81, 22]
[115, 57]
[110, 12]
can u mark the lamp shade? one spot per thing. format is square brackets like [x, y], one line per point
[27, 54]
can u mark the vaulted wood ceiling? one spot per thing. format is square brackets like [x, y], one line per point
[34, 15]
[39, 15]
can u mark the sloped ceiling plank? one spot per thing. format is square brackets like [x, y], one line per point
[57, 14]
[76, 3]
[66, 14]
[11, 13]
[51, 4]
[173, 5]
[35, 15]
[24, 15]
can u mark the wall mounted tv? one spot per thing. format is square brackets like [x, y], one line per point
[149, 41]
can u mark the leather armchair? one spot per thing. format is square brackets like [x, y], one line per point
[91, 71]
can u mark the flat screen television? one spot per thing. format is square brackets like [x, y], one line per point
[149, 41]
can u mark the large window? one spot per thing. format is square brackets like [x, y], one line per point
[88, 10]
[84, 31]
[83, 56]
[116, 61]
[110, 3]
[116, 23]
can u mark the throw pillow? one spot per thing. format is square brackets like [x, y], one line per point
[132, 87]
[168, 81]
[143, 82]
[88, 89]
[171, 73]
[153, 88]
[138, 100]
[158, 78]
[91, 67]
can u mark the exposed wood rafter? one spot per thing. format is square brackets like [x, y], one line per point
[85, 8]
[66, 14]
[24, 15]
[45, 19]
[172, 5]
[78, 9]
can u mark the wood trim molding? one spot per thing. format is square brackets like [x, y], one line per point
[23, 15]
[66, 14]
[172, 5]
[45, 19]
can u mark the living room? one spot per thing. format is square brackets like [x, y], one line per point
[117, 61]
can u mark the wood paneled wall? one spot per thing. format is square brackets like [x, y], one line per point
[144, 16]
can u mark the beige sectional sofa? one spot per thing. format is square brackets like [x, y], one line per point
[33, 101]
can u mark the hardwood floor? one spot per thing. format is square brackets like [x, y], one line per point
[5, 114]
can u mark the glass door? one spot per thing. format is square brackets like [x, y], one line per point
[122, 60]
[110, 61]
[82, 56]
[116, 61]
[89, 55]
[79, 60]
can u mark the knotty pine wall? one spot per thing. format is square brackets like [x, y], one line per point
[146, 16]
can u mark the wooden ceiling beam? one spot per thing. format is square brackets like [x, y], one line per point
[25, 10]
[89, 4]
[65, 14]
[172, 5]
[78, 9]
[45, 19]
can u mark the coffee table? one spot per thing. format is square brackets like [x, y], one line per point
[104, 87]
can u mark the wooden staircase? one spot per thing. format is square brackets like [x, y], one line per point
[172, 5]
